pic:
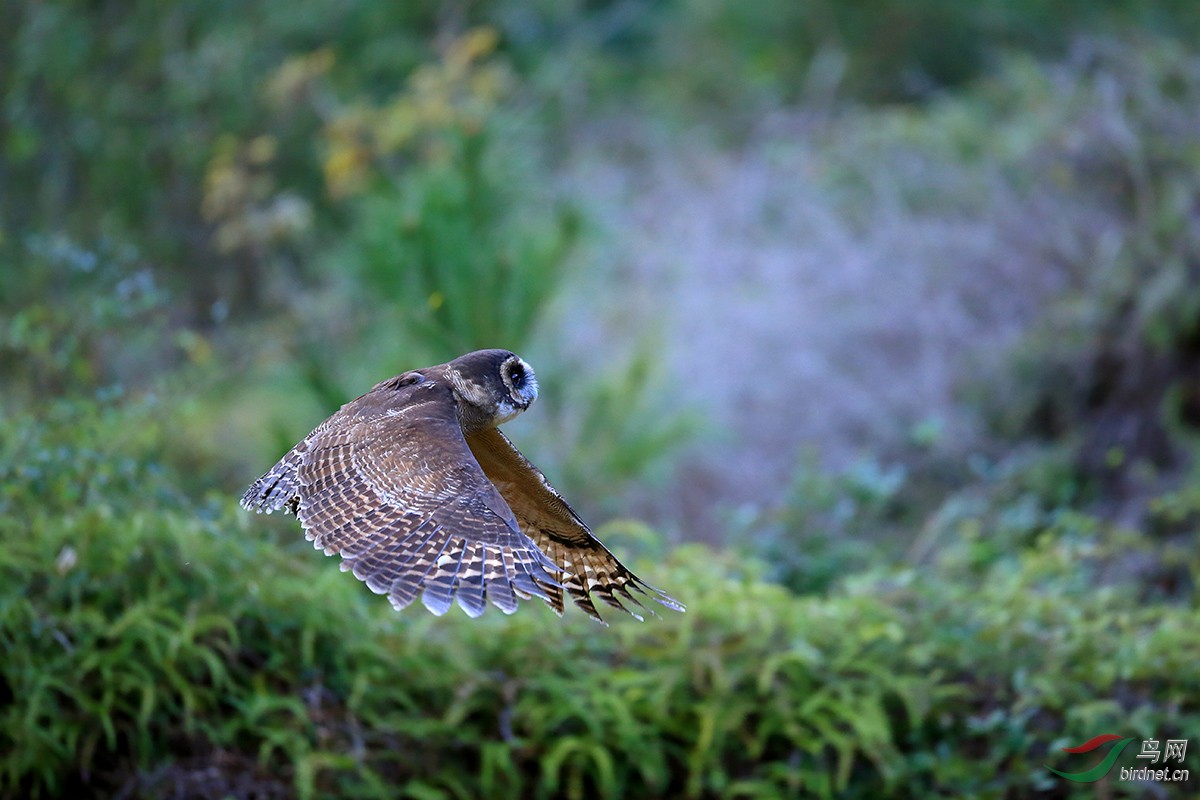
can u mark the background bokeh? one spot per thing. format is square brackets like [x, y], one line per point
[869, 330]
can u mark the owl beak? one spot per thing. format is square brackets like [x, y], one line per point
[524, 398]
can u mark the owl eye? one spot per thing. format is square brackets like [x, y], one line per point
[516, 374]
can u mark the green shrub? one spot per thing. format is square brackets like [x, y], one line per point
[85, 320]
[1111, 367]
[815, 535]
[151, 644]
[450, 265]
[1085, 171]
[741, 57]
[111, 122]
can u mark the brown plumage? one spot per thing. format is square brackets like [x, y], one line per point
[421, 494]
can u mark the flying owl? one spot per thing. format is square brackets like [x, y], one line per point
[419, 492]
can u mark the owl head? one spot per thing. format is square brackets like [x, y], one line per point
[495, 385]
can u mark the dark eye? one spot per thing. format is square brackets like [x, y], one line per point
[516, 374]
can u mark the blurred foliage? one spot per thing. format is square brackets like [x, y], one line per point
[1101, 148]
[442, 234]
[112, 115]
[814, 536]
[1113, 369]
[115, 121]
[240, 202]
[442, 103]
[86, 320]
[616, 428]
[1097, 408]
[879, 50]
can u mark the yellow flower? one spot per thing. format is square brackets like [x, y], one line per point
[471, 46]
[291, 79]
[346, 170]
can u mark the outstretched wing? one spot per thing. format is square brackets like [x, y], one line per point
[389, 484]
[587, 566]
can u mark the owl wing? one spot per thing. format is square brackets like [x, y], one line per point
[587, 567]
[389, 484]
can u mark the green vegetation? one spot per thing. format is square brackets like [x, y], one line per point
[220, 221]
[155, 644]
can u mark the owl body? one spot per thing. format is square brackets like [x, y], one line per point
[419, 492]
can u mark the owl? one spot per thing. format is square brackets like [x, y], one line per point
[419, 492]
